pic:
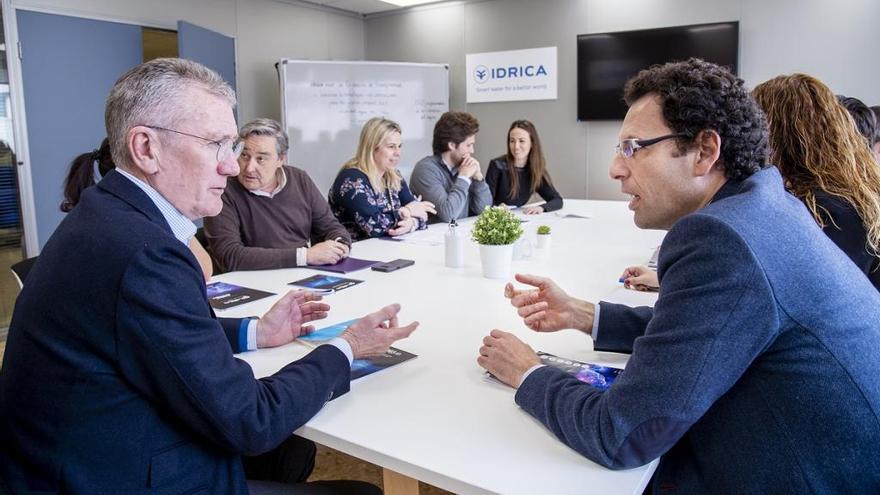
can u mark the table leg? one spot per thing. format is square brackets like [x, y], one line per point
[398, 484]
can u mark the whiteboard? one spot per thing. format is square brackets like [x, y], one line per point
[324, 104]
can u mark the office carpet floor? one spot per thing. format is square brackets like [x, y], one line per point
[334, 465]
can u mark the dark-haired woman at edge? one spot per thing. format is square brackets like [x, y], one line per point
[513, 178]
[87, 169]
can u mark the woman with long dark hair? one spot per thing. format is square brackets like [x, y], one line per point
[86, 170]
[517, 175]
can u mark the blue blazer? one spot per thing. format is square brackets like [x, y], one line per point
[757, 369]
[119, 379]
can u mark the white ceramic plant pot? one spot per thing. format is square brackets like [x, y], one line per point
[543, 241]
[496, 260]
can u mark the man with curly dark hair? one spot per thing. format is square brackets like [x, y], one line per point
[753, 371]
[698, 96]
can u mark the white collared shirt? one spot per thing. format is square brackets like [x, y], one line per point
[281, 177]
[454, 172]
[183, 228]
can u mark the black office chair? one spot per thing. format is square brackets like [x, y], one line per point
[21, 269]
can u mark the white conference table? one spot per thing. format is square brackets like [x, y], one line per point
[437, 418]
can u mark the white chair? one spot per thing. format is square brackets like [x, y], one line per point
[21, 269]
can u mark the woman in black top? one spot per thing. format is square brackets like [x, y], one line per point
[516, 176]
[826, 164]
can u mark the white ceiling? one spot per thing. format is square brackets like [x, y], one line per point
[358, 6]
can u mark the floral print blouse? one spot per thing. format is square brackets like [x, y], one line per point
[363, 211]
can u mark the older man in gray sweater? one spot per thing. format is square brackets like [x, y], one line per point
[273, 215]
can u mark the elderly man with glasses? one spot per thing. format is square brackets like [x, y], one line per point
[756, 370]
[273, 215]
[118, 378]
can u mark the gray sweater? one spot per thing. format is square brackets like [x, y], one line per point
[452, 195]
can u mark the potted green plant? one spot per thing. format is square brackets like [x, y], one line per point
[495, 230]
[543, 237]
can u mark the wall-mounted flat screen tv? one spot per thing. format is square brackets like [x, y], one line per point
[607, 60]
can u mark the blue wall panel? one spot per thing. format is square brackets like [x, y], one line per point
[69, 65]
[209, 48]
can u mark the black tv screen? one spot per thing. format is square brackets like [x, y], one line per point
[607, 60]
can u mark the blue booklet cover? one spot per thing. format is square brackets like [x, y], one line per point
[364, 367]
[596, 375]
[327, 284]
[322, 335]
[222, 295]
[359, 367]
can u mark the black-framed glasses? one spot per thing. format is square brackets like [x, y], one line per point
[628, 147]
[228, 147]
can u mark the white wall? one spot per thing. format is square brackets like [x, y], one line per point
[837, 42]
[834, 41]
[265, 32]
[515, 24]
[268, 31]
[433, 34]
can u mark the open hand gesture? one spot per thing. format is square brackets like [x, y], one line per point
[547, 308]
[373, 334]
[284, 320]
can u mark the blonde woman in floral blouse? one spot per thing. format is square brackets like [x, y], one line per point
[369, 196]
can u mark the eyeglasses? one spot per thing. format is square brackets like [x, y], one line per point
[628, 147]
[226, 148]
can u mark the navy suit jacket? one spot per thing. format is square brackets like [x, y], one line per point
[757, 369]
[119, 379]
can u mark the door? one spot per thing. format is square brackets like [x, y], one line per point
[212, 49]
[68, 66]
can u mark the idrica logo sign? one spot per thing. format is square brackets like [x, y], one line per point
[483, 73]
[511, 75]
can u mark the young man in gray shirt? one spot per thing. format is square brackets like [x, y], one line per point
[451, 178]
